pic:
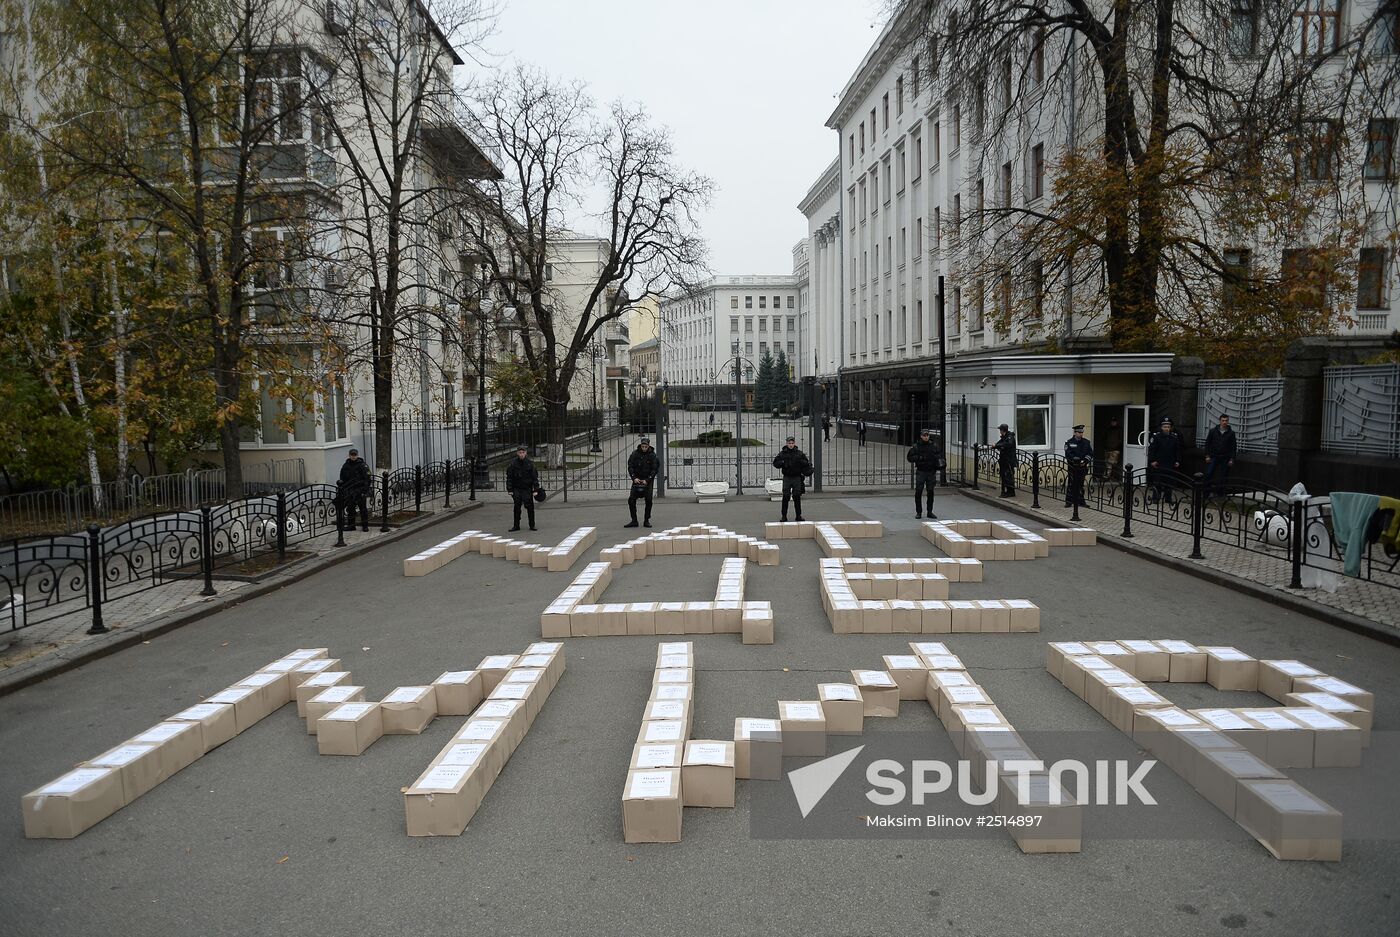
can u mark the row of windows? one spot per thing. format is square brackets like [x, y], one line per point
[762, 302]
[762, 323]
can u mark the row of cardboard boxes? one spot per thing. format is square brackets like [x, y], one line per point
[445, 797]
[702, 539]
[953, 569]
[668, 770]
[1231, 756]
[555, 559]
[831, 536]
[851, 614]
[1001, 540]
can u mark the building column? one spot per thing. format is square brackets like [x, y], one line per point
[1300, 424]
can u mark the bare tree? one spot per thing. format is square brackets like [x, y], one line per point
[565, 166]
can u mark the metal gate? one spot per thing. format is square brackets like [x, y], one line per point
[704, 445]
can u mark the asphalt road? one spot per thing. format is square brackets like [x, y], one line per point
[264, 836]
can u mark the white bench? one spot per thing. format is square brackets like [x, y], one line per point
[774, 487]
[711, 492]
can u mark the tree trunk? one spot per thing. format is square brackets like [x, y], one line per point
[557, 416]
[119, 388]
[228, 388]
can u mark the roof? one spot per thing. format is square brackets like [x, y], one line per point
[647, 345]
[1023, 365]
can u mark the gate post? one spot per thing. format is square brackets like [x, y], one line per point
[1197, 523]
[1295, 542]
[1128, 501]
[418, 489]
[975, 467]
[281, 527]
[1035, 480]
[663, 419]
[384, 517]
[447, 485]
[94, 558]
[206, 548]
[816, 446]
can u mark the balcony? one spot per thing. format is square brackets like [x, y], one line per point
[617, 372]
[616, 332]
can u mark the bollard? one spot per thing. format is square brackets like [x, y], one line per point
[339, 518]
[418, 489]
[447, 485]
[472, 495]
[94, 558]
[281, 527]
[1128, 502]
[1035, 481]
[975, 467]
[384, 515]
[1295, 542]
[206, 548]
[1197, 522]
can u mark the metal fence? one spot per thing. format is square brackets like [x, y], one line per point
[1238, 513]
[70, 510]
[1361, 410]
[1255, 408]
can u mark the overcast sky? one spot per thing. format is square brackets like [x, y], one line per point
[745, 86]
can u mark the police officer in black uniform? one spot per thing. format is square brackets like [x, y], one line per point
[795, 466]
[356, 484]
[1163, 459]
[1006, 449]
[642, 466]
[927, 459]
[521, 482]
[1079, 456]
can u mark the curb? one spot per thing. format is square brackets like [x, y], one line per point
[98, 646]
[1335, 617]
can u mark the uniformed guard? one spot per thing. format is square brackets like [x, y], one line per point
[927, 458]
[1006, 451]
[795, 467]
[1079, 456]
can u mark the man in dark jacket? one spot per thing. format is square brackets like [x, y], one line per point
[1006, 452]
[1220, 455]
[826, 428]
[1079, 458]
[1163, 458]
[927, 459]
[860, 432]
[355, 485]
[521, 481]
[642, 465]
[1112, 442]
[794, 465]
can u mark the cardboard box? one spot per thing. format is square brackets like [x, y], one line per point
[1276, 677]
[670, 618]
[276, 688]
[959, 696]
[803, 728]
[442, 801]
[926, 649]
[1152, 730]
[349, 729]
[217, 724]
[707, 774]
[651, 806]
[69, 804]
[1289, 744]
[408, 710]
[179, 745]
[458, 692]
[1289, 821]
[1121, 704]
[1218, 776]
[497, 737]
[657, 755]
[909, 674]
[614, 620]
[1151, 664]
[315, 684]
[966, 616]
[758, 749]
[330, 699]
[671, 691]
[842, 707]
[512, 714]
[673, 675]
[663, 730]
[1233, 725]
[309, 668]
[1336, 742]
[1057, 651]
[1188, 662]
[1058, 829]
[1228, 668]
[139, 766]
[677, 709]
[493, 668]
[878, 692]
[1336, 706]
[940, 679]
[1347, 691]
[1192, 744]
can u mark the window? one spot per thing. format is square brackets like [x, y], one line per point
[914, 73]
[1370, 279]
[791, 351]
[899, 169]
[1038, 57]
[1005, 184]
[919, 320]
[777, 302]
[954, 312]
[1387, 31]
[1007, 86]
[1317, 148]
[748, 323]
[1032, 419]
[734, 302]
[903, 245]
[884, 111]
[877, 260]
[762, 322]
[977, 424]
[748, 346]
[1037, 170]
[1234, 277]
[872, 120]
[762, 303]
[957, 214]
[937, 143]
[1380, 148]
[889, 249]
[1317, 26]
[885, 167]
[874, 191]
[777, 323]
[1243, 37]
[748, 304]
[937, 226]
[274, 414]
[1303, 277]
[977, 313]
[548, 272]
[918, 238]
[733, 323]
[862, 138]
[1004, 301]
[956, 129]
[981, 198]
[918, 157]
[1037, 288]
[903, 324]
[853, 149]
[763, 348]
[898, 96]
[792, 320]
[790, 305]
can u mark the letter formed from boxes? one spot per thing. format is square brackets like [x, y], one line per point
[1233, 757]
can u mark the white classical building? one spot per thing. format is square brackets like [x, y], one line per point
[703, 330]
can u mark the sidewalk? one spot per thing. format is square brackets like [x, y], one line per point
[1377, 605]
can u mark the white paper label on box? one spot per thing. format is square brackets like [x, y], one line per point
[201, 712]
[523, 675]
[1328, 702]
[931, 648]
[463, 753]
[1226, 653]
[406, 694]
[348, 712]
[1093, 662]
[285, 665]
[672, 675]
[658, 756]
[456, 677]
[1224, 719]
[480, 729]
[1205, 738]
[442, 777]
[903, 662]
[336, 694]
[673, 691]
[511, 691]
[667, 730]
[1115, 677]
[1242, 764]
[498, 708]
[1316, 719]
[543, 647]
[73, 781]
[163, 732]
[966, 694]
[232, 695]
[874, 678]
[954, 678]
[261, 678]
[751, 727]
[803, 711]
[1174, 717]
[122, 755]
[1271, 719]
[666, 709]
[497, 662]
[537, 661]
[1072, 648]
[1179, 647]
[1141, 647]
[836, 691]
[976, 716]
[1105, 647]
[1337, 687]
[1289, 797]
[652, 784]
[326, 678]
[674, 660]
[1294, 668]
[1136, 694]
[707, 753]
[304, 653]
[945, 662]
[673, 647]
